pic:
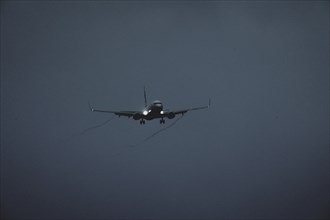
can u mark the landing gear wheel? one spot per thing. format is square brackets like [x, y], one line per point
[162, 121]
[142, 122]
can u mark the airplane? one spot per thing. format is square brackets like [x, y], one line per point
[152, 111]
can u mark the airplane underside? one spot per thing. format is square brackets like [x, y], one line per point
[151, 117]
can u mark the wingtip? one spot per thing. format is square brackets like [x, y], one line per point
[90, 107]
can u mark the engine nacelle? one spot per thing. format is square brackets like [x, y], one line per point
[170, 115]
[137, 116]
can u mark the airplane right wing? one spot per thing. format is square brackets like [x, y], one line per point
[183, 111]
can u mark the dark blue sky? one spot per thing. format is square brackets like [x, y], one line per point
[260, 152]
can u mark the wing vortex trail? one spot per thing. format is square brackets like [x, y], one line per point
[89, 128]
[162, 129]
[96, 126]
[157, 132]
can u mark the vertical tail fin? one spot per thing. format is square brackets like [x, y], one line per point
[145, 97]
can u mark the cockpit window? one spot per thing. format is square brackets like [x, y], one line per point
[157, 102]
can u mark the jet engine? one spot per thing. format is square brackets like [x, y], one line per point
[137, 116]
[170, 115]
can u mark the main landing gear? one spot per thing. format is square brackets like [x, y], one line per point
[162, 121]
[142, 121]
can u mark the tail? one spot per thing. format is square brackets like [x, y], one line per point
[145, 97]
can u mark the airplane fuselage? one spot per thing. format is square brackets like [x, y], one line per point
[154, 110]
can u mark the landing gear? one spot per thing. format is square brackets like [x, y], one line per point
[162, 121]
[142, 121]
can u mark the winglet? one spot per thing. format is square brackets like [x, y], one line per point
[90, 107]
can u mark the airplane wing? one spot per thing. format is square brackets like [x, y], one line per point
[183, 111]
[119, 113]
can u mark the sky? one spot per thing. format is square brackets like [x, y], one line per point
[261, 151]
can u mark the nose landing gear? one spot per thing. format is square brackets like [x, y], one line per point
[162, 121]
[142, 121]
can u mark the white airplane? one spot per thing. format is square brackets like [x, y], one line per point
[150, 112]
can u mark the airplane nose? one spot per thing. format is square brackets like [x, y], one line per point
[158, 107]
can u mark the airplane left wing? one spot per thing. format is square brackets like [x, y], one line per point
[119, 113]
